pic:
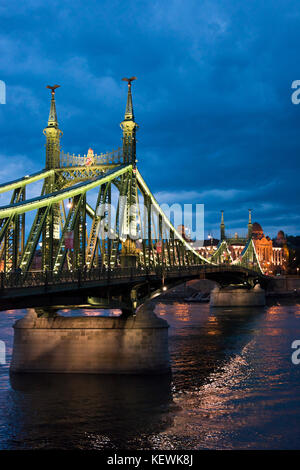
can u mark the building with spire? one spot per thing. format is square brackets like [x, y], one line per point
[272, 255]
[222, 227]
[250, 225]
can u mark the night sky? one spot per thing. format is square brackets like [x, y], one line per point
[213, 97]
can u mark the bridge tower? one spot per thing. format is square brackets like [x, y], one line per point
[53, 134]
[51, 232]
[129, 128]
[222, 227]
[249, 225]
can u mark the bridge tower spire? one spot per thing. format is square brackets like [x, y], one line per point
[53, 134]
[50, 234]
[222, 227]
[249, 225]
[129, 128]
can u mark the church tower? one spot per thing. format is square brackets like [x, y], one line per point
[129, 128]
[222, 227]
[53, 134]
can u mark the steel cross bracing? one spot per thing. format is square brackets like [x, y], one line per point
[71, 226]
[158, 241]
[91, 244]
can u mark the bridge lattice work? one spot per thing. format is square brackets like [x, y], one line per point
[74, 225]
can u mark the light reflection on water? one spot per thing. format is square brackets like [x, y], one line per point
[233, 386]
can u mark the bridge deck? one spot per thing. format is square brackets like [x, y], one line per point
[14, 283]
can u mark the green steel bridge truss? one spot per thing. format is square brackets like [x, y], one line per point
[62, 208]
[65, 210]
[94, 211]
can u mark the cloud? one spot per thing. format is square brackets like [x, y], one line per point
[212, 98]
[188, 196]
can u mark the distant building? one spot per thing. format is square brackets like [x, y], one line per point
[184, 232]
[272, 254]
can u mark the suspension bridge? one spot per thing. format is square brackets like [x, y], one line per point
[89, 253]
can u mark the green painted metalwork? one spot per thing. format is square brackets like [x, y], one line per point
[33, 238]
[143, 237]
[144, 188]
[97, 217]
[249, 258]
[14, 235]
[69, 226]
[222, 254]
[58, 196]
[25, 181]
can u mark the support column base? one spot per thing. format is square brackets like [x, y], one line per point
[237, 297]
[102, 345]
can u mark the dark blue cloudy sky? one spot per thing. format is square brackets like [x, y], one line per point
[213, 96]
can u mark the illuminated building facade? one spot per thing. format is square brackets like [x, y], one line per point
[272, 254]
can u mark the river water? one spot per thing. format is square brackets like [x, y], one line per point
[233, 386]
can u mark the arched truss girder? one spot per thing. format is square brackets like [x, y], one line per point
[58, 196]
[222, 253]
[25, 180]
[14, 254]
[145, 188]
[249, 258]
[51, 216]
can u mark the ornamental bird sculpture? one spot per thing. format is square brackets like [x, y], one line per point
[129, 80]
[52, 88]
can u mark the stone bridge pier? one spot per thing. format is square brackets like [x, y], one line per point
[98, 345]
[237, 297]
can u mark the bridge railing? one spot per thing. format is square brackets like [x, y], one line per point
[39, 278]
[14, 280]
